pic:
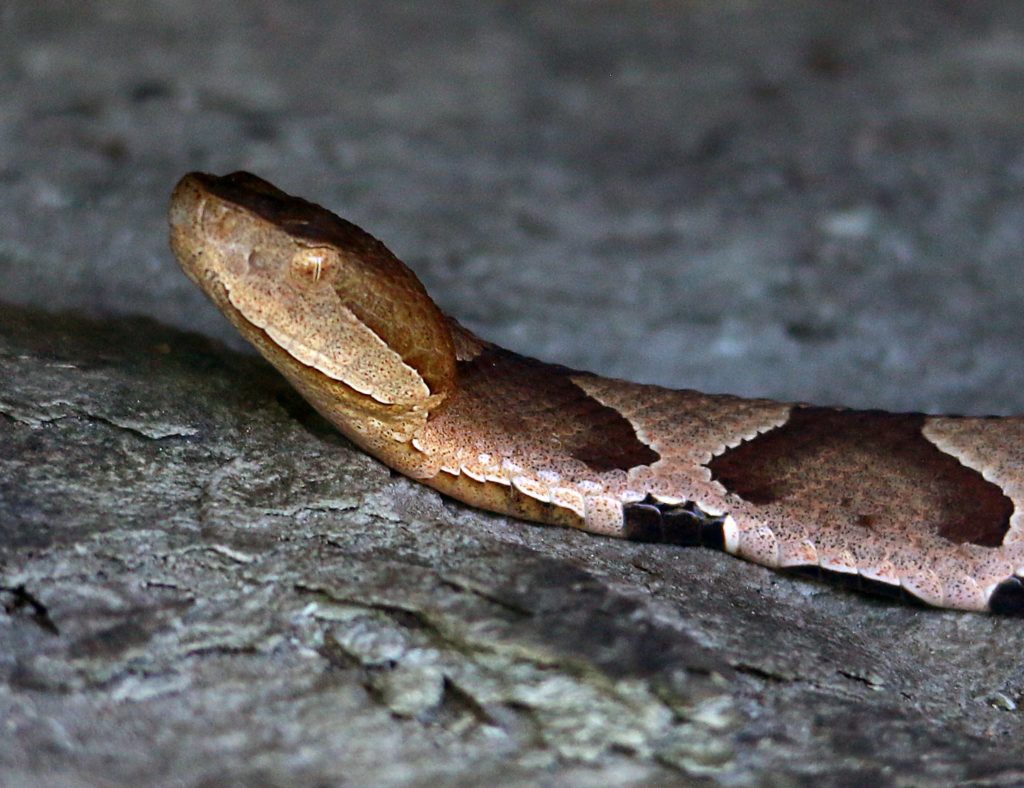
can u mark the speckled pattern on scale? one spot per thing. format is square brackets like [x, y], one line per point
[928, 505]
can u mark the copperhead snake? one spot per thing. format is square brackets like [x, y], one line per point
[925, 506]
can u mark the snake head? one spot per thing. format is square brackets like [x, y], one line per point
[324, 301]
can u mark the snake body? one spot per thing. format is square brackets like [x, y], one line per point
[928, 506]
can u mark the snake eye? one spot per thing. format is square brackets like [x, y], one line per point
[311, 265]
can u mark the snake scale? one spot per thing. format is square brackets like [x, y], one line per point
[918, 505]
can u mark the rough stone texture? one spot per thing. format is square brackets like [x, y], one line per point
[203, 584]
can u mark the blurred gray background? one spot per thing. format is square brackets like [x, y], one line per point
[815, 201]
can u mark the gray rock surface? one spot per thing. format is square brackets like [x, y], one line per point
[204, 584]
